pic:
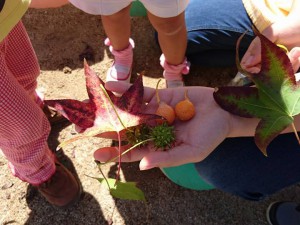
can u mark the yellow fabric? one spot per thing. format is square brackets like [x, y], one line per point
[263, 13]
[11, 14]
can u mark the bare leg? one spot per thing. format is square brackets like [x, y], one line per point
[25, 142]
[117, 28]
[172, 37]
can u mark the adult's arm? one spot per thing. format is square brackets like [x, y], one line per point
[197, 138]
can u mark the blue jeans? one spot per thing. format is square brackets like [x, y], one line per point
[214, 27]
[237, 166]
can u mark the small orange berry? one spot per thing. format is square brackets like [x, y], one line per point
[185, 110]
[166, 111]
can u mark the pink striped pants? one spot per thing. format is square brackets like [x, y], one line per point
[24, 129]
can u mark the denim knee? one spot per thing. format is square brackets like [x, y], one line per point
[238, 167]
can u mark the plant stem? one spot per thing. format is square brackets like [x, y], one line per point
[185, 94]
[156, 92]
[296, 132]
[119, 166]
[112, 105]
[132, 147]
[99, 167]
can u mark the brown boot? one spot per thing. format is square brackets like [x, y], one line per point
[62, 189]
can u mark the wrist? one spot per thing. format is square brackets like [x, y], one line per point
[285, 32]
[242, 127]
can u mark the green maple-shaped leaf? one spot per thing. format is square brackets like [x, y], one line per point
[274, 99]
[121, 190]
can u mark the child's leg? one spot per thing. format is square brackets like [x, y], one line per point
[117, 28]
[23, 129]
[172, 37]
[21, 60]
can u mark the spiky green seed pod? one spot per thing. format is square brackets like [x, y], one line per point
[163, 136]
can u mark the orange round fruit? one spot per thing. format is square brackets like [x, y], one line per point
[185, 110]
[166, 111]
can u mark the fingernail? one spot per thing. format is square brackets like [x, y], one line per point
[144, 166]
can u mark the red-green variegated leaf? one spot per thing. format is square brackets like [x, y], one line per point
[269, 128]
[276, 81]
[241, 101]
[274, 99]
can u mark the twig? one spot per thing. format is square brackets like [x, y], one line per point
[296, 132]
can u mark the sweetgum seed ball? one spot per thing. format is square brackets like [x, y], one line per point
[185, 110]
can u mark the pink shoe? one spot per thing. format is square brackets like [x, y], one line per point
[121, 67]
[173, 73]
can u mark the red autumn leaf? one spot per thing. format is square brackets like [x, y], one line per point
[104, 112]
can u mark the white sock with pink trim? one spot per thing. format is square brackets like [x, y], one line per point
[121, 68]
[173, 73]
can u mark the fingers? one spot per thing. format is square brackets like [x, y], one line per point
[112, 153]
[176, 156]
[151, 158]
[252, 56]
[294, 56]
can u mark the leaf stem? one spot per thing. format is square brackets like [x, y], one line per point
[119, 166]
[99, 168]
[112, 105]
[156, 92]
[129, 149]
[296, 133]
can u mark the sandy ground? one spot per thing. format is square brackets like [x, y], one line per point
[62, 38]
